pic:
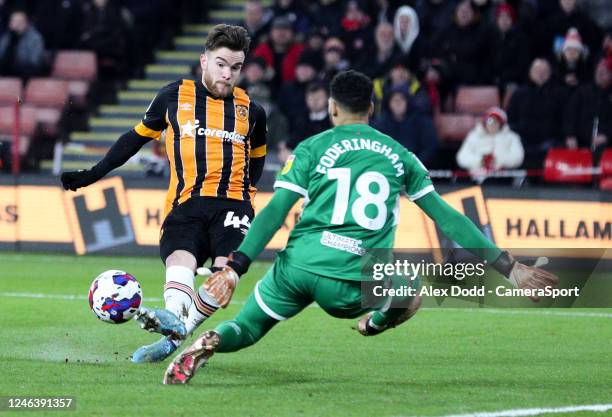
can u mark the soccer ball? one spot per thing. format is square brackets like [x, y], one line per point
[115, 296]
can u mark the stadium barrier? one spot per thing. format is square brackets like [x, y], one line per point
[115, 216]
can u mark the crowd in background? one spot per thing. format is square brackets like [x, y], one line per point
[554, 56]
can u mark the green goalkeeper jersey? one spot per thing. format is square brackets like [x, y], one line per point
[351, 177]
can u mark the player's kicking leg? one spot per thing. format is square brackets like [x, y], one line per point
[251, 324]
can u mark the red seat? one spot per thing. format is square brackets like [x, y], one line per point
[454, 127]
[605, 163]
[27, 125]
[75, 65]
[476, 100]
[50, 96]
[568, 166]
[10, 90]
[47, 92]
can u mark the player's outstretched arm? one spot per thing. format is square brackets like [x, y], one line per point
[126, 146]
[461, 229]
[221, 284]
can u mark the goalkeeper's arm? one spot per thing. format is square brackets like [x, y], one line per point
[122, 150]
[263, 228]
[461, 229]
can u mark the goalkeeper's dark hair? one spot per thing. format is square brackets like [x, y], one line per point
[235, 38]
[352, 90]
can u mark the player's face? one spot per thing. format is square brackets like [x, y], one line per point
[221, 69]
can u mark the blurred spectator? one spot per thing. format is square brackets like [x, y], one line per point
[62, 30]
[406, 31]
[315, 119]
[434, 17]
[510, 49]
[491, 145]
[535, 112]
[334, 59]
[410, 127]
[588, 116]
[293, 12]
[401, 78]
[254, 81]
[356, 30]
[328, 15]
[22, 48]
[292, 97]
[485, 9]
[572, 62]
[600, 11]
[552, 31]
[281, 52]
[379, 57]
[256, 22]
[104, 32]
[464, 47]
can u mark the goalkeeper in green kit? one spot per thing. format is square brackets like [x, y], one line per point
[351, 177]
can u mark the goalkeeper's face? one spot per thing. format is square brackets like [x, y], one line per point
[221, 69]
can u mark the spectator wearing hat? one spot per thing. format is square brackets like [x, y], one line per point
[510, 48]
[573, 66]
[588, 116]
[357, 31]
[491, 145]
[406, 31]
[535, 112]
[281, 52]
[379, 58]
[22, 48]
[292, 97]
[552, 31]
[400, 77]
[256, 21]
[409, 126]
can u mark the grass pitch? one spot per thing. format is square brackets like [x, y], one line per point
[442, 362]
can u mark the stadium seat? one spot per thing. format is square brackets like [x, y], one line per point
[27, 128]
[476, 100]
[47, 92]
[50, 96]
[79, 68]
[568, 166]
[10, 90]
[454, 127]
[605, 183]
[78, 91]
[75, 65]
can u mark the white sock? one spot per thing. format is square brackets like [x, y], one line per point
[202, 308]
[178, 291]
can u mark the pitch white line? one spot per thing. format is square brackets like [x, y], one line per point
[540, 312]
[521, 412]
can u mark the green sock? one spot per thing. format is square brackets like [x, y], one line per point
[232, 336]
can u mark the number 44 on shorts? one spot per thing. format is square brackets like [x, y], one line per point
[236, 222]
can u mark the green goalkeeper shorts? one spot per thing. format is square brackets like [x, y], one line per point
[285, 291]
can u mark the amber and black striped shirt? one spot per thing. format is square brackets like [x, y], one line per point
[210, 142]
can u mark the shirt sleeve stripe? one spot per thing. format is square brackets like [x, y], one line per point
[258, 152]
[291, 187]
[421, 193]
[142, 130]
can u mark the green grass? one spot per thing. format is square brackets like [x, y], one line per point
[441, 362]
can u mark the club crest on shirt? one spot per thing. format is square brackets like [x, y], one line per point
[242, 113]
